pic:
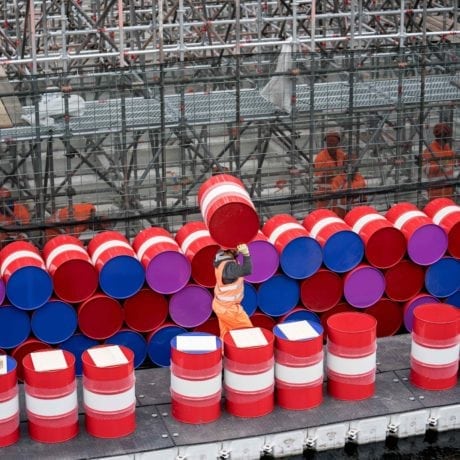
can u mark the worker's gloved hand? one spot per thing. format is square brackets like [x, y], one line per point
[243, 249]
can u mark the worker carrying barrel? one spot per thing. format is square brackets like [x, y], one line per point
[229, 288]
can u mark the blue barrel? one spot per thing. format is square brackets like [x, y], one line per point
[442, 278]
[55, 322]
[159, 343]
[278, 295]
[249, 302]
[454, 299]
[14, 326]
[77, 344]
[132, 340]
[299, 314]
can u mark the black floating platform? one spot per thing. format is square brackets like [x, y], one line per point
[396, 406]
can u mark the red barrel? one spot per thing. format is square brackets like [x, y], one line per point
[343, 249]
[28, 283]
[426, 241]
[74, 276]
[100, 317]
[404, 280]
[339, 308]
[109, 397]
[262, 320]
[9, 402]
[446, 213]
[199, 247]
[435, 347]
[321, 291]
[121, 274]
[385, 245]
[146, 310]
[249, 378]
[30, 345]
[196, 377]
[167, 269]
[51, 395]
[351, 355]
[299, 364]
[228, 211]
[389, 316]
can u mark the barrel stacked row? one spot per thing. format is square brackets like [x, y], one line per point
[143, 293]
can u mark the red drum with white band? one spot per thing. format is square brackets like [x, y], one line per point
[109, 396]
[343, 249]
[196, 377]
[385, 245]
[199, 247]
[435, 346]
[228, 211]
[74, 276]
[9, 401]
[298, 364]
[28, 283]
[446, 213]
[249, 377]
[51, 395]
[300, 255]
[426, 241]
[121, 274]
[351, 355]
[167, 270]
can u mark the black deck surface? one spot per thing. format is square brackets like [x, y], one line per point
[157, 429]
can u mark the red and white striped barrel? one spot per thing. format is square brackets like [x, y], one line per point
[199, 247]
[446, 213]
[74, 276]
[426, 241]
[385, 245]
[51, 395]
[196, 377]
[351, 355]
[9, 401]
[228, 210]
[249, 374]
[167, 269]
[109, 397]
[435, 346]
[28, 283]
[121, 274]
[298, 364]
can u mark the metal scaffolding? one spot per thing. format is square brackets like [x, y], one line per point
[131, 105]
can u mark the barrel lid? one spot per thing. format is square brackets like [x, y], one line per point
[408, 308]
[385, 247]
[191, 306]
[404, 280]
[301, 257]
[427, 244]
[363, 286]
[298, 330]
[54, 322]
[159, 344]
[14, 326]
[321, 291]
[249, 302]
[278, 295]
[389, 316]
[343, 251]
[442, 278]
[265, 261]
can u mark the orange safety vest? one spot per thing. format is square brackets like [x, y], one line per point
[81, 212]
[439, 164]
[21, 215]
[227, 303]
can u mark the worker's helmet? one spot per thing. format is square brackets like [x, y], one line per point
[223, 254]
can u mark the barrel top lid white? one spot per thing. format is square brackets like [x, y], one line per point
[3, 369]
[196, 342]
[48, 360]
[298, 330]
[107, 356]
[250, 337]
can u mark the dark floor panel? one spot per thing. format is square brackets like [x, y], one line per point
[149, 435]
[152, 386]
[393, 353]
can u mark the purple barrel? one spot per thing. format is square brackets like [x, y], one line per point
[191, 306]
[363, 286]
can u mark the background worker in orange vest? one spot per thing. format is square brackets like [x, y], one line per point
[342, 182]
[329, 163]
[439, 161]
[229, 289]
[12, 214]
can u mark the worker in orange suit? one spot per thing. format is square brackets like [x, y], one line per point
[81, 212]
[12, 214]
[439, 161]
[329, 163]
[341, 182]
[229, 288]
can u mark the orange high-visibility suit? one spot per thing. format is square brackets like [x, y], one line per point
[341, 183]
[81, 212]
[326, 168]
[439, 164]
[228, 294]
[11, 214]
